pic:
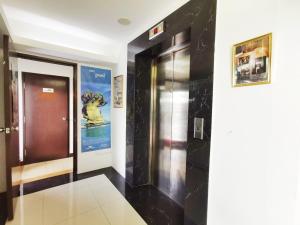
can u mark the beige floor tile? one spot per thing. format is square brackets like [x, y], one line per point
[67, 189]
[103, 185]
[94, 217]
[86, 202]
[101, 195]
[28, 210]
[98, 182]
[122, 213]
[66, 202]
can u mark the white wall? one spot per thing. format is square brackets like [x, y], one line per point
[119, 119]
[2, 135]
[255, 133]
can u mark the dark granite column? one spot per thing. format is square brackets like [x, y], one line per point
[198, 16]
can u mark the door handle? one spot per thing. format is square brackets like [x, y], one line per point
[15, 129]
[6, 130]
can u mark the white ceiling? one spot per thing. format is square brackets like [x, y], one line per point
[86, 28]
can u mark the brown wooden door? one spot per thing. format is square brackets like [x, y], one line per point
[11, 122]
[46, 111]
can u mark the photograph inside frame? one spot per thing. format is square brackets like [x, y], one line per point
[252, 61]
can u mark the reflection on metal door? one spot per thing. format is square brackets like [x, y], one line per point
[170, 94]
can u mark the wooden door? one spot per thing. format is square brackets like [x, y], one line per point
[11, 122]
[46, 111]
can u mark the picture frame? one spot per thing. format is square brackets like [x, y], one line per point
[118, 93]
[252, 62]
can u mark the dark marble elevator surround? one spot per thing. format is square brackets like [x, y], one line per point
[200, 17]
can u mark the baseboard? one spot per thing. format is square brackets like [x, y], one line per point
[3, 215]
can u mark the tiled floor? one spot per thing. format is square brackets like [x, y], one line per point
[89, 201]
[153, 206]
[42, 170]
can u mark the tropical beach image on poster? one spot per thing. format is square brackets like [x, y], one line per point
[95, 105]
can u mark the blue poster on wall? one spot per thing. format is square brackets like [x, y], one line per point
[95, 105]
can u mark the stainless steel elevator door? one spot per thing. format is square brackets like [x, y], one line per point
[171, 108]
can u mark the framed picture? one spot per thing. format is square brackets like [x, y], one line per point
[252, 62]
[118, 91]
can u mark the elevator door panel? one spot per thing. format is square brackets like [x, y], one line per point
[164, 93]
[171, 127]
[179, 124]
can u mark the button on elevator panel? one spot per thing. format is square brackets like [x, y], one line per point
[198, 128]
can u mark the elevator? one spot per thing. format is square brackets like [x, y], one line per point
[169, 117]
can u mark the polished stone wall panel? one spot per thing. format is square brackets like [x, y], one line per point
[197, 171]
[142, 115]
[130, 123]
[199, 16]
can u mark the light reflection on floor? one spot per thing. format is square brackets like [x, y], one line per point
[37, 171]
